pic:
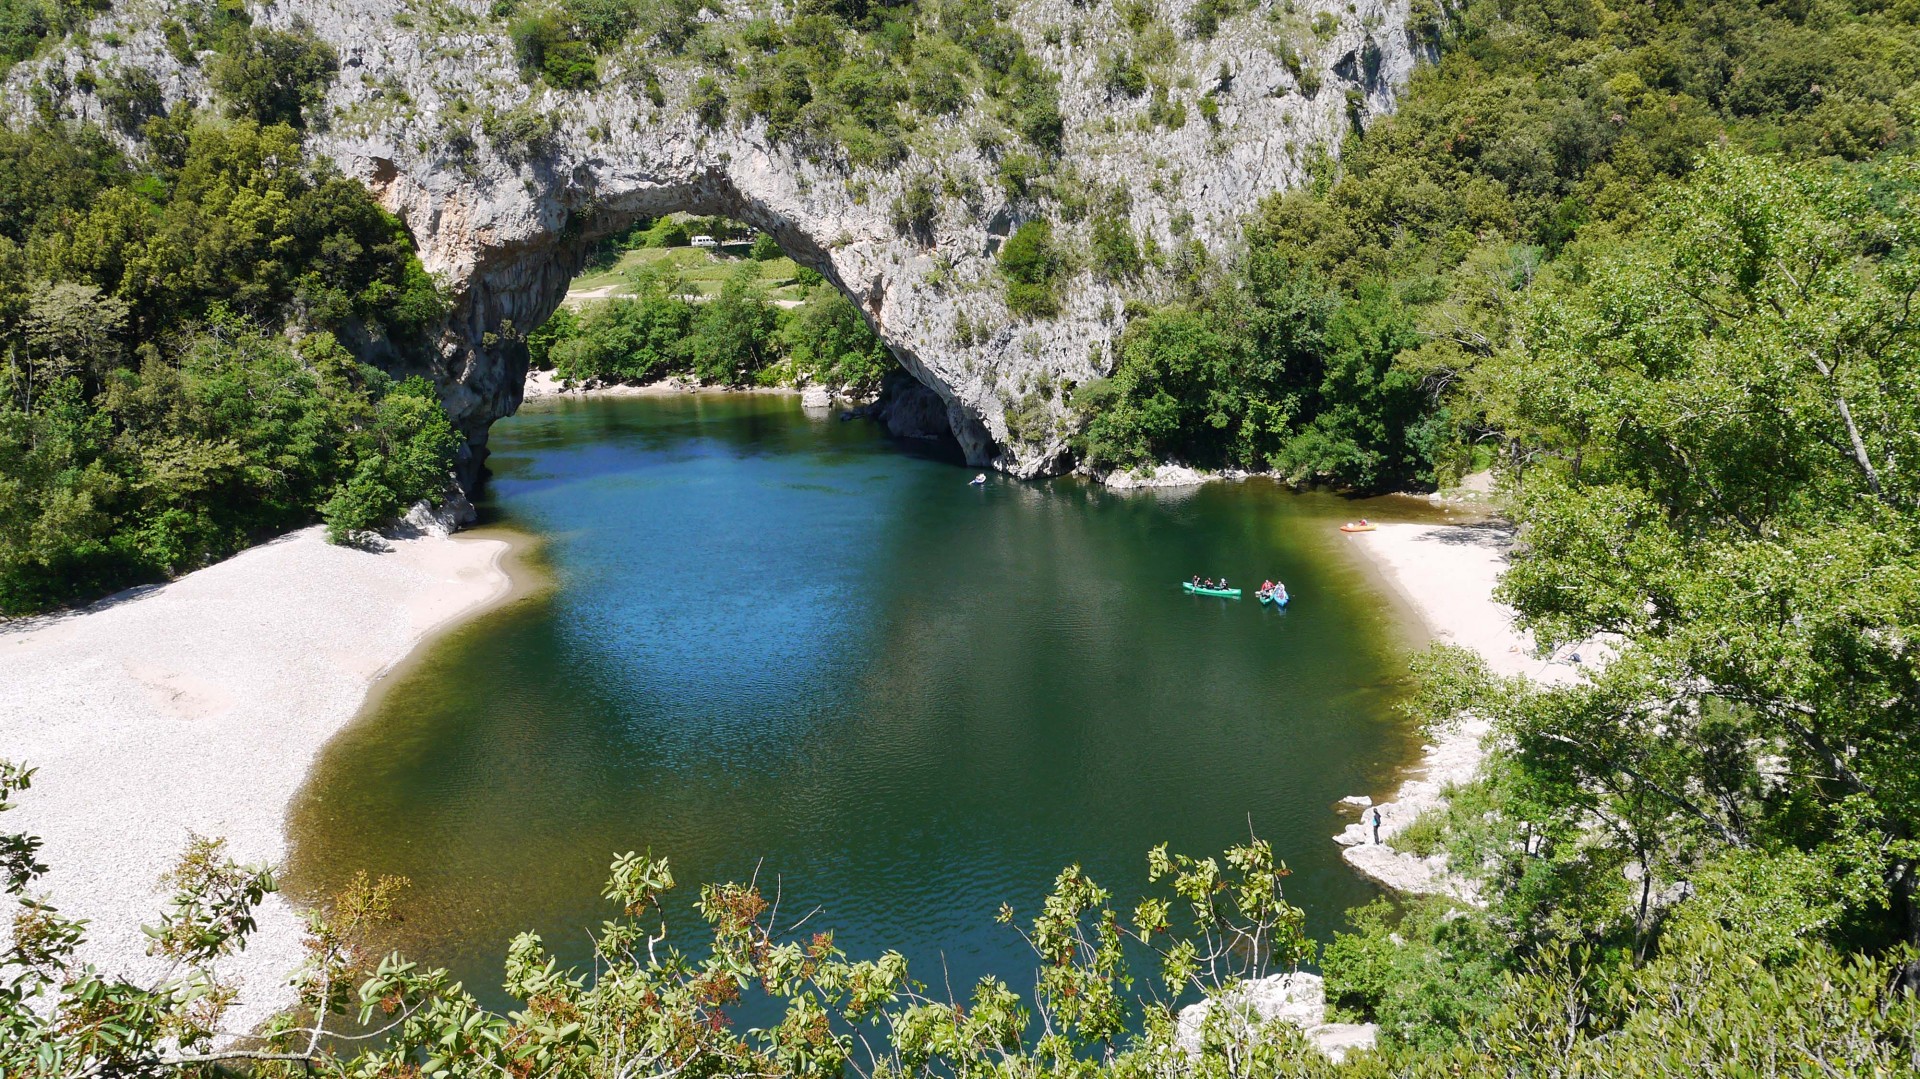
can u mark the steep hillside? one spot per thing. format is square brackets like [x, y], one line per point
[1133, 132]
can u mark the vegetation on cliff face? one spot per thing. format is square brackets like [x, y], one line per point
[846, 80]
[1342, 345]
[173, 386]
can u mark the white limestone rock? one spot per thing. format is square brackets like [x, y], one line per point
[1298, 998]
[1157, 476]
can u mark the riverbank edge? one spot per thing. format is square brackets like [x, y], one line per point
[1445, 574]
[199, 707]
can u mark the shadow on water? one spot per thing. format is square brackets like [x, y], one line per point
[776, 644]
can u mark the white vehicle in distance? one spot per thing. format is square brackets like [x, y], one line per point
[703, 240]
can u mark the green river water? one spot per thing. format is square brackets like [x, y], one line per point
[785, 644]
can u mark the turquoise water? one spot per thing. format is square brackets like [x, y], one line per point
[783, 645]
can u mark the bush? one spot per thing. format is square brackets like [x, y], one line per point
[668, 232]
[1123, 74]
[1116, 255]
[915, 209]
[274, 77]
[1030, 266]
[733, 333]
[562, 325]
[408, 458]
[629, 340]
[709, 101]
[1033, 105]
[131, 98]
[519, 134]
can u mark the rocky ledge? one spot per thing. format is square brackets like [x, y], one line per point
[1297, 998]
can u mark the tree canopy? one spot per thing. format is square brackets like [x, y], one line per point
[174, 386]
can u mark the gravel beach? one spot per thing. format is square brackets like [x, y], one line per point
[197, 707]
[1447, 574]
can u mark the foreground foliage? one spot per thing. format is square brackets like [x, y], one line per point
[653, 1006]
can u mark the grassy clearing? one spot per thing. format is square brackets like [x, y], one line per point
[701, 271]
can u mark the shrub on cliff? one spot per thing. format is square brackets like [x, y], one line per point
[1031, 266]
[274, 76]
[26, 24]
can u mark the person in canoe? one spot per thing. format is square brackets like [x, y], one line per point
[1196, 580]
[1266, 588]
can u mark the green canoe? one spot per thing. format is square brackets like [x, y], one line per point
[1230, 593]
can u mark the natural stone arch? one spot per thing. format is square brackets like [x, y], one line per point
[507, 289]
[505, 185]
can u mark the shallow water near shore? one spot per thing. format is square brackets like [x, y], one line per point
[783, 645]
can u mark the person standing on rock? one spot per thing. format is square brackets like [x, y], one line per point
[1376, 825]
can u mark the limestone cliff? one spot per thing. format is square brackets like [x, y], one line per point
[505, 222]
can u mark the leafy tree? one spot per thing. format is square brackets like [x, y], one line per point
[152, 416]
[829, 342]
[1723, 409]
[274, 76]
[406, 456]
[733, 334]
[635, 340]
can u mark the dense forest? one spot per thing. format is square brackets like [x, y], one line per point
[174, 386]
[1657, 263]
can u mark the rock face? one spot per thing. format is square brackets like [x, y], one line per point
[1298, 998]
[505, 220]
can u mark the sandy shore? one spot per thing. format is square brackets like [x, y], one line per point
[1446, 574]
[197, 707]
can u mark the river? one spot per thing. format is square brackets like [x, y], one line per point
[783, 645]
